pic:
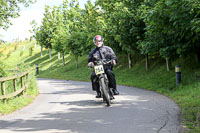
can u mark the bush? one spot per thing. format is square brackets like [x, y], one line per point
[31, 50]
[8, 55]
[2, 71]
[21, 53]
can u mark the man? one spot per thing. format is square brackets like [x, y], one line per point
[103, 52]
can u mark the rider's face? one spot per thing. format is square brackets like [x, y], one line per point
[99, 43]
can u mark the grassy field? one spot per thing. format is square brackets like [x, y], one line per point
[14, 64]
[158, 79]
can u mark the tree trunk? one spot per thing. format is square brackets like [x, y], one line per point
[198, 55]
[63, 58]
[76, 59]
[41, 50]
[198, 58]
[50, 53]
[168, 63]
[129, 61]
[58, 55]
[147, 62]
[18, 41]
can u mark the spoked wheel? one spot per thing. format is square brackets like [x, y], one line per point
[106, 95]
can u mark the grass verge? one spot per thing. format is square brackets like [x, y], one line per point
[14, 64]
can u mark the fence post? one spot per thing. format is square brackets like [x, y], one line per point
[23, 80]
[22, 84]
[27, 76]
[3, 91]
[14, 84]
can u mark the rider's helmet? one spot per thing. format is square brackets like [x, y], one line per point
[98, 38]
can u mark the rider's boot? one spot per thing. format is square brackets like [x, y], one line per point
[115, 92]
[111, 95]
[98, 95]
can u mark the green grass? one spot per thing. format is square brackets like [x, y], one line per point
[158, 79]
[15, 63]
[18, 102]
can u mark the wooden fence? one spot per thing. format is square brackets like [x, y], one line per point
[16, 92]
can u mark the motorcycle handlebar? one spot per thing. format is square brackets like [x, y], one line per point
[104, 62]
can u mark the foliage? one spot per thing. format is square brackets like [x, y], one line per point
[169, 29]
[76, 39]
[31, 50]
[76, 43]
[10, 9]
[21, 53]
[93, 25]
[34, 29]
[122, 23]
[9, 53]
[48, 27]
[15, 65]
[60, 34]
[2, 70]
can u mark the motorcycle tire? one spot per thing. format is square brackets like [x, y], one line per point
[106, 95]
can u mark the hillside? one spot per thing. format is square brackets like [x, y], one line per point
[158, 79]
[11, 59]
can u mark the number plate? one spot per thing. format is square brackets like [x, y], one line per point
[99, 69]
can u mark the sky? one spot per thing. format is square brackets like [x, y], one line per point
[21, 25]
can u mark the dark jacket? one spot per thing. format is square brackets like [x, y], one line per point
[103, 52]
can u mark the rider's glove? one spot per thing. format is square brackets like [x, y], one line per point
[90, 64]
[114, 62]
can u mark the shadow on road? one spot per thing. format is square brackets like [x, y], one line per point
[79, 118]
[128, 113]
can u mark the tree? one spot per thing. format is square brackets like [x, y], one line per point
[195, 26]
[48, 28]
[169, 29]
[123, 25]
[76, 43]
[60, 35]
[73, 18]
[10, 9]
[34, 29]
[93, 24]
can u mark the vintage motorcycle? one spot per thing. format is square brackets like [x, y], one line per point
[99, 69]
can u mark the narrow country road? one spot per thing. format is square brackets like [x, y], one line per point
[71, 107]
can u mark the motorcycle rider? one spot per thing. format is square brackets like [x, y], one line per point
[103, 52]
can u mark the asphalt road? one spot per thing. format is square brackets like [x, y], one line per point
[71, 107]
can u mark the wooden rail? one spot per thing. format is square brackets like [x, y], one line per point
[16, 92]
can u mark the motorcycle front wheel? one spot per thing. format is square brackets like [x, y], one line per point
[106, 95]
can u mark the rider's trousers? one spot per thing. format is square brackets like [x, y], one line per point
[95, 82]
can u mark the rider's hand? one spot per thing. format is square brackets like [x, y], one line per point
[114, 62]
[90, 64]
